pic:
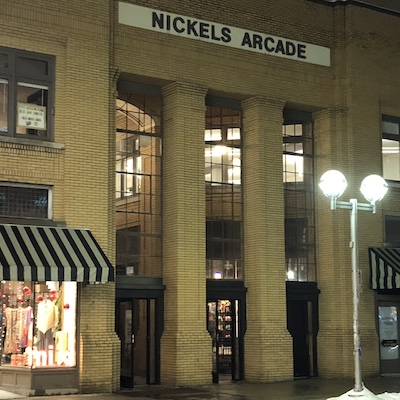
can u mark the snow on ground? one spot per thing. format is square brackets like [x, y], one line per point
[366, 394]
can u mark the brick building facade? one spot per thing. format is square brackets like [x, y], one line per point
[160, 127]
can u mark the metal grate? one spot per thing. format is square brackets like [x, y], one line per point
[24, 202]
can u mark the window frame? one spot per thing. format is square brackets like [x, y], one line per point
[300, 255]
[392, 137]
[30, 186]
[11, 73]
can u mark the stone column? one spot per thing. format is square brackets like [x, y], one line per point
[268, 344]
[186, 345]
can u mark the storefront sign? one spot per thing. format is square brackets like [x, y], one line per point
[191, 28]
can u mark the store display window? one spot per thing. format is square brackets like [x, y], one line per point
[38, 327]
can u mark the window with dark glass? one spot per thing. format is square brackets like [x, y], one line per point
[24, 201]
[138, 183]
[298, 178]
[392, 230]
[26, 94]
[391, 148]
[223, 193]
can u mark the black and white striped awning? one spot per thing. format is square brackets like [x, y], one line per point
[385, 267]
[32, 253]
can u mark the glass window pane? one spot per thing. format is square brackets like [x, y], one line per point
[32, 112]
[20, 201]
[293, 168]
[390, 127]
[138, 185]
[391, 159]
[3, 105]
[31, 66]
[233, 134]
[211, 135]
[4, 62]
[388, 336]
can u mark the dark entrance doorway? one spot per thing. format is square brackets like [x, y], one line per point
[139, 325]
[226, 324]
[302, 323]
[136, 329]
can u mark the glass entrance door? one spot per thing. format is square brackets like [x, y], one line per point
[227, 344]
[137, 329]
[388, 327]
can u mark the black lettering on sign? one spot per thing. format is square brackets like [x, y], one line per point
[267, 46]
[257, 41]
[213, 35]
[204, 29]
[290, 48]
[191, 27]
[279, 47]
[157, 20]
[175, 24]
[226, 35]
[246, 40]
[301, 51]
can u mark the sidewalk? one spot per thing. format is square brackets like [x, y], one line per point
[307, 389]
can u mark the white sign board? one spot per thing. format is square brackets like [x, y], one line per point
[192, 28]
[31, 116]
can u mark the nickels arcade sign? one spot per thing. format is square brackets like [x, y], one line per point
[192, 28]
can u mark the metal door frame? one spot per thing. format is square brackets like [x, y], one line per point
[131, 288]
[232, 290]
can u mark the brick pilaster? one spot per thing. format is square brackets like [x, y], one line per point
[268, 344]
[186, 344]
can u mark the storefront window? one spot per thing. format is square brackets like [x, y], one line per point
[38, 324]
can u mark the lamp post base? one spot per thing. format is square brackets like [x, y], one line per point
[365, 394]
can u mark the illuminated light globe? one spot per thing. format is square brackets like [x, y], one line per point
[333, 183]
[374, 188]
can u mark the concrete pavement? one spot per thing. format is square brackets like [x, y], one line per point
[305, 389]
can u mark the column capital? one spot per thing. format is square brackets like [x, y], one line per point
[180, 87]
[260, 101]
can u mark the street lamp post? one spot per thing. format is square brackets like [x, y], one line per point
[373, 187]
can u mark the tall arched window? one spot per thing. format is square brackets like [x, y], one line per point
[138, 184]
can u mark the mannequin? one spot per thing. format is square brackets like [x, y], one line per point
[47, 319]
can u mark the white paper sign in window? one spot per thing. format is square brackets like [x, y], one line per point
[31, 116]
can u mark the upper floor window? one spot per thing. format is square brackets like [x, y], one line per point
[392, 230]
[138, 160]
[390, 148]
[25, 201]
[222, 137]
[298, 178]
[223, 148]
[26, 94]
